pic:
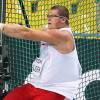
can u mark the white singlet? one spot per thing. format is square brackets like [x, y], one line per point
[56, 72]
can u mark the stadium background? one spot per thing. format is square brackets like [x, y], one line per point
[21, 53]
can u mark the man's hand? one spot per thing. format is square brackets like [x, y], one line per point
[1, 27]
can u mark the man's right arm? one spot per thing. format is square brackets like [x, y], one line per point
[61, 40]
[22, 32]
[13, 30]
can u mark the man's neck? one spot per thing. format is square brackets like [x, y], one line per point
[64, 26]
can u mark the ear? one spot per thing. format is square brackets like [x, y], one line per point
[64, 19]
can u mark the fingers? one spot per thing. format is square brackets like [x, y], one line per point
[1, 27]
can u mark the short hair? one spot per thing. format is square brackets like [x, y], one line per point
[62, 11]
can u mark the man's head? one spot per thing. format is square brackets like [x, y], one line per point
[58, 17]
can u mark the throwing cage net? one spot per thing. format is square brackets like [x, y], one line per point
[19, 54]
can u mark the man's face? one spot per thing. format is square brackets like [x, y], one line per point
[55, 21]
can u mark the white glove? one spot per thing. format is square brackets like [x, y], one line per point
[1, 27]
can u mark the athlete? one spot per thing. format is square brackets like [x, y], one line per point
[56, 73]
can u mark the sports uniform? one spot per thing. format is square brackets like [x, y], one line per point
[53, 72]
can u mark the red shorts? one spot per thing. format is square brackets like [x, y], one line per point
[29, 92]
